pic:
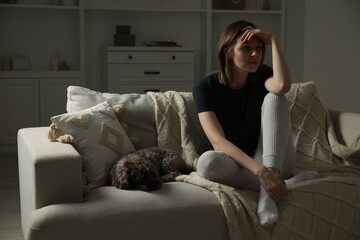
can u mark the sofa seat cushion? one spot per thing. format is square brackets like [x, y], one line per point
[176, 211]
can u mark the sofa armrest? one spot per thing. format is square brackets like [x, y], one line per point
[346, 126]
[49, 172]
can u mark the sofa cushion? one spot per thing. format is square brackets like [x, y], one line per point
[310, 126]
[98, 137]
[138, 113]
[347, 129]
[176, 211]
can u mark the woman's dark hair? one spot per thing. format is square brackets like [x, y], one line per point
[226, 45]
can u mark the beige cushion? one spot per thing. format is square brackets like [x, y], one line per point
[177, 211]
[347, 128]
[138, 113]
[98, 137]
[309, 120]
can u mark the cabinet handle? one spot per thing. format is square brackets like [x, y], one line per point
[130, 57]
[173, 57]
[151, 72]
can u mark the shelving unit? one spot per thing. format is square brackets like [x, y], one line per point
[210, 22]
[134, 9]
[38, 30]
[38, 6]
[25, 32]
[152, 6]
[149, 19]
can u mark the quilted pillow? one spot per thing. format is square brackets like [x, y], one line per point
[138, 114]
[97, 135]
[310, 125]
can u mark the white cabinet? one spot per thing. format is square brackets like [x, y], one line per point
[30, 102]
[142, 69]
[37, 31]
[19, 107]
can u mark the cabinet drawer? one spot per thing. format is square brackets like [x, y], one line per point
[150, 57]
[141, 72]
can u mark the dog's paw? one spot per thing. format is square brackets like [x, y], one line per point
[170, 177]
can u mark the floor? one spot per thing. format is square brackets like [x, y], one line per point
[10, 222]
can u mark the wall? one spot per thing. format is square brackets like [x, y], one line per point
[295, 23]
[331, 51]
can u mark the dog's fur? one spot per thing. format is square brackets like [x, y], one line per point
[147, 169]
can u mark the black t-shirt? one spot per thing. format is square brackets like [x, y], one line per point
[238, 111]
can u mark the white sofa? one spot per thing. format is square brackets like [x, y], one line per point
[51, 190]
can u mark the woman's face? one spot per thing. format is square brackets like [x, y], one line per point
[246, 56]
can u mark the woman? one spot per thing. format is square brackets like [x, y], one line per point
[245, 116]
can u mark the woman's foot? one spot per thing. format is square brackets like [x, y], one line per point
[267, 210]
[302, 176]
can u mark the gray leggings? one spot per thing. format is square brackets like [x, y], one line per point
[275, 149]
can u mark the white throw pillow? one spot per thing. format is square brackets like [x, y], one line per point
[138, 111]
[98, 137]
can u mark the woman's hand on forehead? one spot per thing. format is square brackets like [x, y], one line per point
[251, 32]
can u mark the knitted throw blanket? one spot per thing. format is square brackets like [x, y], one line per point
[324, 208]
[177, 124]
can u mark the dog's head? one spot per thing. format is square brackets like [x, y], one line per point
[136, 176]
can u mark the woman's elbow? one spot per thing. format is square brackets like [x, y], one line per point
[284, 88]
[281, 88]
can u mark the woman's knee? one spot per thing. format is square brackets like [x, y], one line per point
[218, 167]
[275, 110]
[276, 101]
[206, 165]
[213, 164]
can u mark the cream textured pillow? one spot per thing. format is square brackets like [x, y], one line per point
[97, 135]
[311, 128]
[138, 114]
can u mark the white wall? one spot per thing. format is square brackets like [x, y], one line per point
[295, 23]
[332, 51]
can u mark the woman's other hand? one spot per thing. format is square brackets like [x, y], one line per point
[272, 182]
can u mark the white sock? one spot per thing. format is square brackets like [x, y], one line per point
[302, 176]
[267, 210]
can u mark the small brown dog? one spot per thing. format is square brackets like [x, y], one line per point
[147, 169]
